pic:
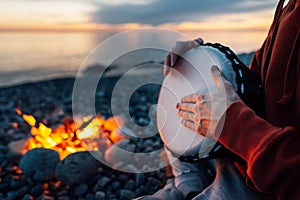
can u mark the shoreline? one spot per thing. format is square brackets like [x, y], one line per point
[29, 82]
[245, 58]
[110, 74]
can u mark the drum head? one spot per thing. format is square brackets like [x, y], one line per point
[190, 75]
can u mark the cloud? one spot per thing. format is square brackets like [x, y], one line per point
[156, 12]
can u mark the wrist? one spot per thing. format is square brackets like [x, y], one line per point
[219, 124]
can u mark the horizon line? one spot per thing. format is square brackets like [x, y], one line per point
[125, 29]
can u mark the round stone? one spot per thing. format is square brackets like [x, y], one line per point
[100, 195]
[126, 194]
[77, 168]
[39, 164]
[103, 181]
[27, 197]
[81, 189]
[130, 185]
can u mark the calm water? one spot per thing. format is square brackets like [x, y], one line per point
[35, 56]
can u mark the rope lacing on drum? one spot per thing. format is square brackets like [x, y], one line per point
[237, 65]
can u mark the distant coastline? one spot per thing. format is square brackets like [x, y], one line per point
[9, 79]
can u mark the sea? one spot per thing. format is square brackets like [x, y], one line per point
[34, 56]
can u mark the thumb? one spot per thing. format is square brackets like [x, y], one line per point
[217, 77]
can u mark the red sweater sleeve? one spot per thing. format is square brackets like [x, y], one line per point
[271, 153]
[255, 65]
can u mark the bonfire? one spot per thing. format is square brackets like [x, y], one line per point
[67, 138]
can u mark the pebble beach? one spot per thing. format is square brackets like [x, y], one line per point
[50, 102]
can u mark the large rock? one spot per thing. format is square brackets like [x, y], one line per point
[39, 164]
[77, 168]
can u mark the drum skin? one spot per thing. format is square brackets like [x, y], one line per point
[191, 74]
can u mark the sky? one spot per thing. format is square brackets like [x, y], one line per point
[116, 15]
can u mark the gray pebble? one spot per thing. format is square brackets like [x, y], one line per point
[109, 189]
[154, 182]
[27, 197]
[94, 179]
[18, 136]
[63, 198]
[123, 178]
[139, 179]
[115, 185]
[148, 143]
[102, 182]
[77, 168]
[2, 158]
[62, 193]
[169, 191]
[148, 149]
[39, 164]
[37, 190]
[130, 185]
[126, 194]
[89, 196]
[142, 190]
[16, 184]
[30, 181]
[157, 144]
[111, 196]
[142, 121]
[4, 186]
[100, 195]
[11, 194]
[130, 168]
[81, 189]
[3, 149]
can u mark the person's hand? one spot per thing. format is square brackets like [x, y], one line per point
[197, 112]
[180, 48]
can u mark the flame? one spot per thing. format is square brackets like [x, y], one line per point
[65, 138]
[18, 111]
[92, 129]
[29, 119]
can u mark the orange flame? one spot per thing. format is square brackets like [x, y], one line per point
[92, 129]
[29, 119]
[18, 111]
[66, 139]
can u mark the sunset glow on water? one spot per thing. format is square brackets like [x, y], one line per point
[43, 39]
